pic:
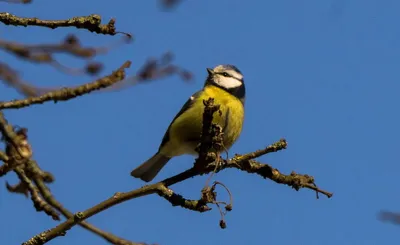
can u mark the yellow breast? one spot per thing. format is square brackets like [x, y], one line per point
[186, 130]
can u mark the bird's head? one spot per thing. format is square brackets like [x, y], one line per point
[227, 77]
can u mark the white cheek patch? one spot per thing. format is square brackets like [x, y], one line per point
[229, 82]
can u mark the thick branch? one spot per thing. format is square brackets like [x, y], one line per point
[91, 23]
[243, 162]
[119, 197]
[158, 188]
[124, 196]
[80, 216]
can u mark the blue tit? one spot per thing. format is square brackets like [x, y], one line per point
[226, 85]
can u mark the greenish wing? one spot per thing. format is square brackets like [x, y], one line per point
[186, 106]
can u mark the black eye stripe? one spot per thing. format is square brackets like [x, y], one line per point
[225, 74]
[229, 75]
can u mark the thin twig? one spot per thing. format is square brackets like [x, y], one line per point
[178, 200]
[37, 200]
[70, 93]
[271, 148]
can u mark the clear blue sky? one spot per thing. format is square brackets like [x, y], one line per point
[322, 74]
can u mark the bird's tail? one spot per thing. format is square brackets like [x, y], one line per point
[149, 169]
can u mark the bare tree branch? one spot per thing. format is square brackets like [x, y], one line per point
[33, 180]
[91, 23]
[37, 200]
[70, 93]
[151, 70]
[49, 198]
[242, 162]
[18, 153]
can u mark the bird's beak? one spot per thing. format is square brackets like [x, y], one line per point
[210, 71]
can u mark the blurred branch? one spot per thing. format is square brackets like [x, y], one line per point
[44, 53]
[241, 162]
[391, 217]
[11, 78]
[91, 23]
[17, 1]
[169, 4]
[153, 69]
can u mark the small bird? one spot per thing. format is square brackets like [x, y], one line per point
[226, 85]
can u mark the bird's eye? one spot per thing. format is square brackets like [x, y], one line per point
[225, 74]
